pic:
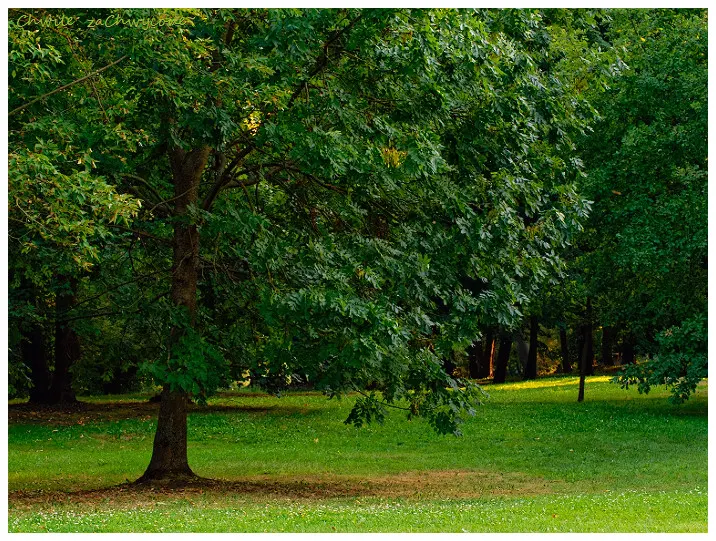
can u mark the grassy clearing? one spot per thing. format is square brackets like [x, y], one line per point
[532, 460]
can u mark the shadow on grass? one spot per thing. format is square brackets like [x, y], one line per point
[97, 412]
[432, 484]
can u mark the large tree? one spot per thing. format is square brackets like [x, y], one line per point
[344, 195]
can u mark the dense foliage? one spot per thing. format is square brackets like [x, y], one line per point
[646, 238]
[348, 198]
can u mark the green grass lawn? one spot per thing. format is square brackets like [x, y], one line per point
[532, 460]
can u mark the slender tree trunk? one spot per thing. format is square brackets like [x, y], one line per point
[564, 345]
[485, 355]
[582, 375]
[580, 345]
[589, 349]
[503, 356]
[607, 339]
[169, 455]
[523, 349]
[473, 359]
[491, 358]
[587, 357]
[531, 366]
[67, 344]
[582, 370]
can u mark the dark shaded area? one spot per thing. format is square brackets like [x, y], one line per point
[531, 365]
[181, 487]
[84, 412]
[503, 355]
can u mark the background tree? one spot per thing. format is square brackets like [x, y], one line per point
[646, 161]
[61, 210]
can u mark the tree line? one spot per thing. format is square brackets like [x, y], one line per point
[353, 199]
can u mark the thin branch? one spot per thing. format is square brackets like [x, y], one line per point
[226, 177]
[238, 184]
[98, 295]
[383, 402]
[147, 185]
[108, 313]
[312, 178]
[64, 87]
[139, 233]
[248, 198]
[165, 201]
[322, 60]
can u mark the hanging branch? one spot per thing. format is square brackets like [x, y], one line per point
[68, 85]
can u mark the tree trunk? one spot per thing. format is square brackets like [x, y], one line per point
[628, 351]
[585, 362]
[589, 340]
[607, 338]
[522, 349]
[580, 345]
[34, 355]
[503, 356]
[473, 359]
[169, 455]
[582, 367]
[490, 356]
[531, 366]
[564, 345]
[67, 344]
[484, 359]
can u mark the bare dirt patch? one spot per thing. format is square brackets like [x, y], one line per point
[441, 484]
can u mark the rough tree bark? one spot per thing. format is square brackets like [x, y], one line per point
[503, 355]
[531, 366]
[169, 460]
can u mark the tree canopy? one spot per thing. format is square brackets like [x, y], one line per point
[646, 261]
[344, 197]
